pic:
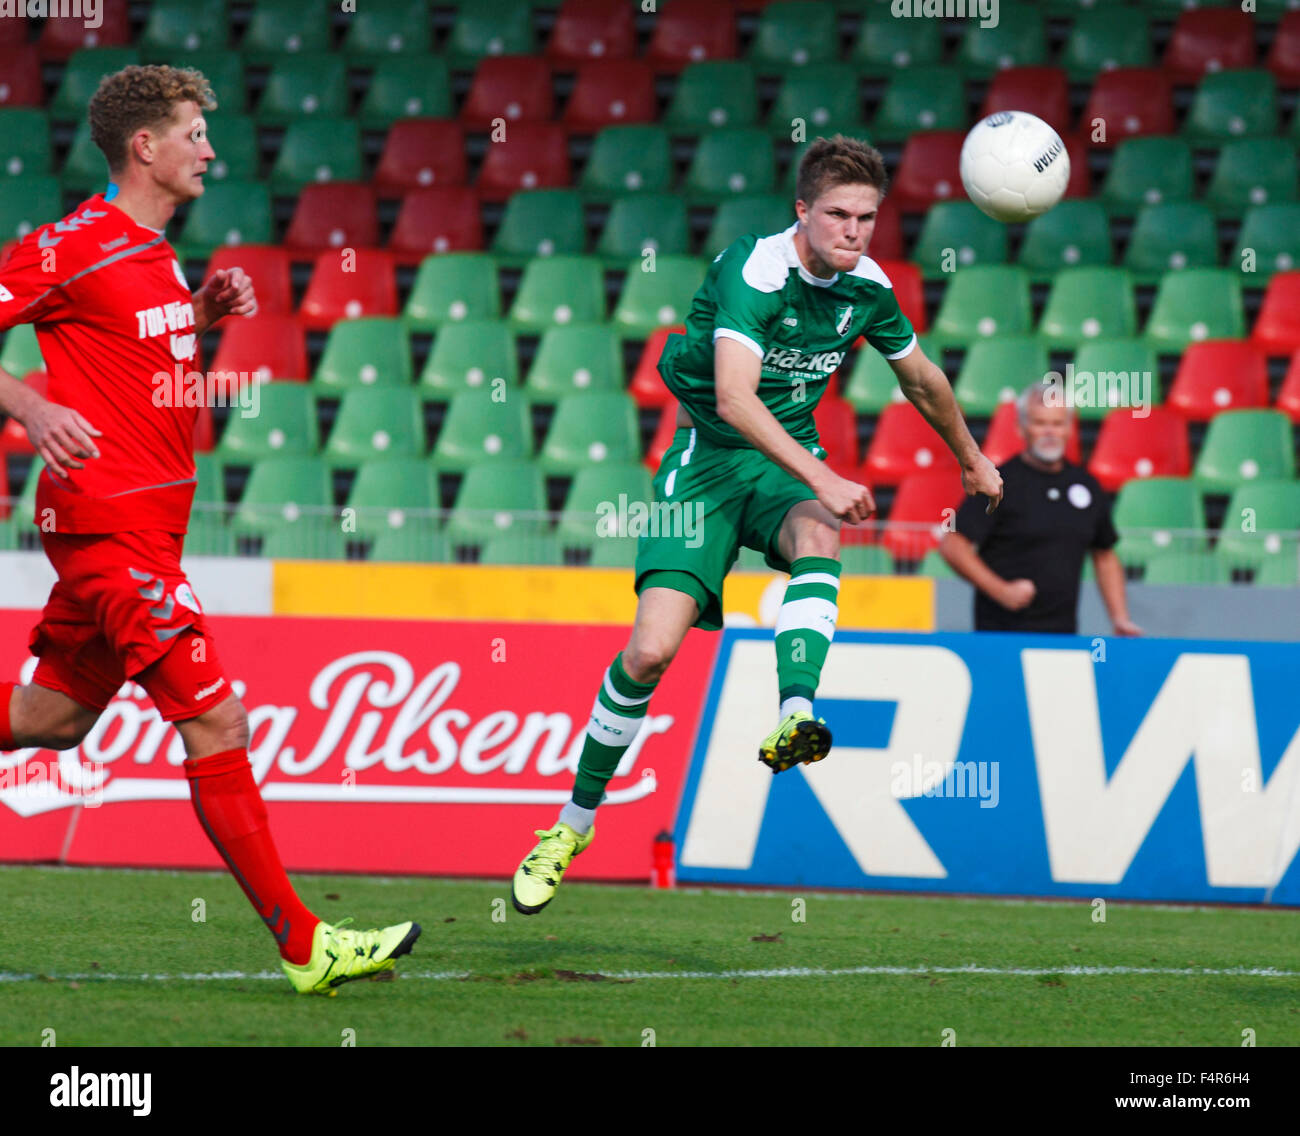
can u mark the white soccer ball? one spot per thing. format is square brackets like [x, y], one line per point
[1014, 166]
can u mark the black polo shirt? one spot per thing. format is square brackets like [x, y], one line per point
[1045, 525]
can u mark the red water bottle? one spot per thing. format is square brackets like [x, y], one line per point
[661, 871]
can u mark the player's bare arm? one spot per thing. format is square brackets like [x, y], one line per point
[928, 389]
[227, 292]
[58, 433]
[737, 371]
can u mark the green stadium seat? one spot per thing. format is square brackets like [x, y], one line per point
[380, 35]
[1232, 104]
[658, 298]
[920, 98]
[1282, 570]
[317, 150]
[450, 287]
[559, 290]
[391, 492]
[380, 423]
[304, 86]
[224, 70]
[824, 99]
[996, 370]
[85, 170]
[1252, 172]
[1158, 515]
[312, 538]
[281, 491]
[210, 489]
[591, 513]
[24, 142]
[627, 160]
[489, 27]
[526, 549]
[277, 29]
[415, 541]
[936, 567]
[20, 352]
[885, 44]
[981, 301]
[1019, 39]
[1126, 372]
[1169, 236]
[1195, 304]
[176, 26]
[1260, 524]
[766, 213]
[208, 535]
[1107, 37]
[715, 94]
[954, 235]
[26, 203]
[793, 34]
[1145, 171]
[615, 552]
[540, 222]
[575, 359]
[1089, 303]
[284, 425]
[729, 163]
[81, 76]
[407, 87]
[481, 430]
[872, 383]
[1186, 568]
[1271, 233]
[234, 140]
[658, 221]
[590, 429]
[1242, 447]
[1074, 234]
[866, 560]
[228, 213]
[367, 352]
[470, 354]
[495, 498]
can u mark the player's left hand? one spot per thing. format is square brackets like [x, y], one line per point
[228, 292]
[983, 477]
[1126, 627]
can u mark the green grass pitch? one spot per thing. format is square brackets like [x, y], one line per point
[118, 958]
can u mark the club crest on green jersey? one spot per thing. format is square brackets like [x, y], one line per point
[843, 314]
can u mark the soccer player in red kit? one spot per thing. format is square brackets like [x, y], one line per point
[112, 310]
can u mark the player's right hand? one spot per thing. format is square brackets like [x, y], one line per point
[60, 435]
[1018, 594]
[847, 500]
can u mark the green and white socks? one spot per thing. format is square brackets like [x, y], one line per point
[805, 627]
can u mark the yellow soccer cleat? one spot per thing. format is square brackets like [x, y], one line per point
[539, 876]
[799, 740]
[340, 955]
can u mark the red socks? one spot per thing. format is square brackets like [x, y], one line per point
[6, 734]
[230, 809]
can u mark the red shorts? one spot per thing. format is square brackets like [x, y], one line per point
[123, 609]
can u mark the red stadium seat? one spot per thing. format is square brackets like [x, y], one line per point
[1284, 55]
[929, 170]
[533, 156]
[1003, 440]
[592, 29]
[13, 32]
[610, 93]
[647, 386]
[692, 33]
[1277, 328]
[1209, 39]
[1129, 446]
[1044, 91]
[341, 290]
[267, 346]
[1288, 398]
[267, 266]
[1219, 374]
[1129, 101]
[333, 215]
[420, 152]
[20, 77]
[13, 436]
[62, 35]
[887, 237]
[906, 279]
[513, 88]
[903, 443]
[921, 505]
[837, 428]
[438, 219]
[1080, 183]
[663, 436]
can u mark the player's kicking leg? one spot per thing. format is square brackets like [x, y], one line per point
[805, 626]
[663, 617]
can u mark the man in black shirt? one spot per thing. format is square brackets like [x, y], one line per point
[1026, 558]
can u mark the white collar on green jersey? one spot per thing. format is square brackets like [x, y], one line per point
[768, 265]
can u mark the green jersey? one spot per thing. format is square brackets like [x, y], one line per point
[801, 326]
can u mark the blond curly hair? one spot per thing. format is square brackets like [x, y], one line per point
[137, 98]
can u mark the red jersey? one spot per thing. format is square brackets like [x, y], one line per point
[113, 317]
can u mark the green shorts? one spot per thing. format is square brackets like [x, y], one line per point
[710, 501]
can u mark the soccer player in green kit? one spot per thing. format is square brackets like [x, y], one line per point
[773, 320]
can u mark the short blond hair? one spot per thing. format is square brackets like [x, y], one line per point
[137, 98]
